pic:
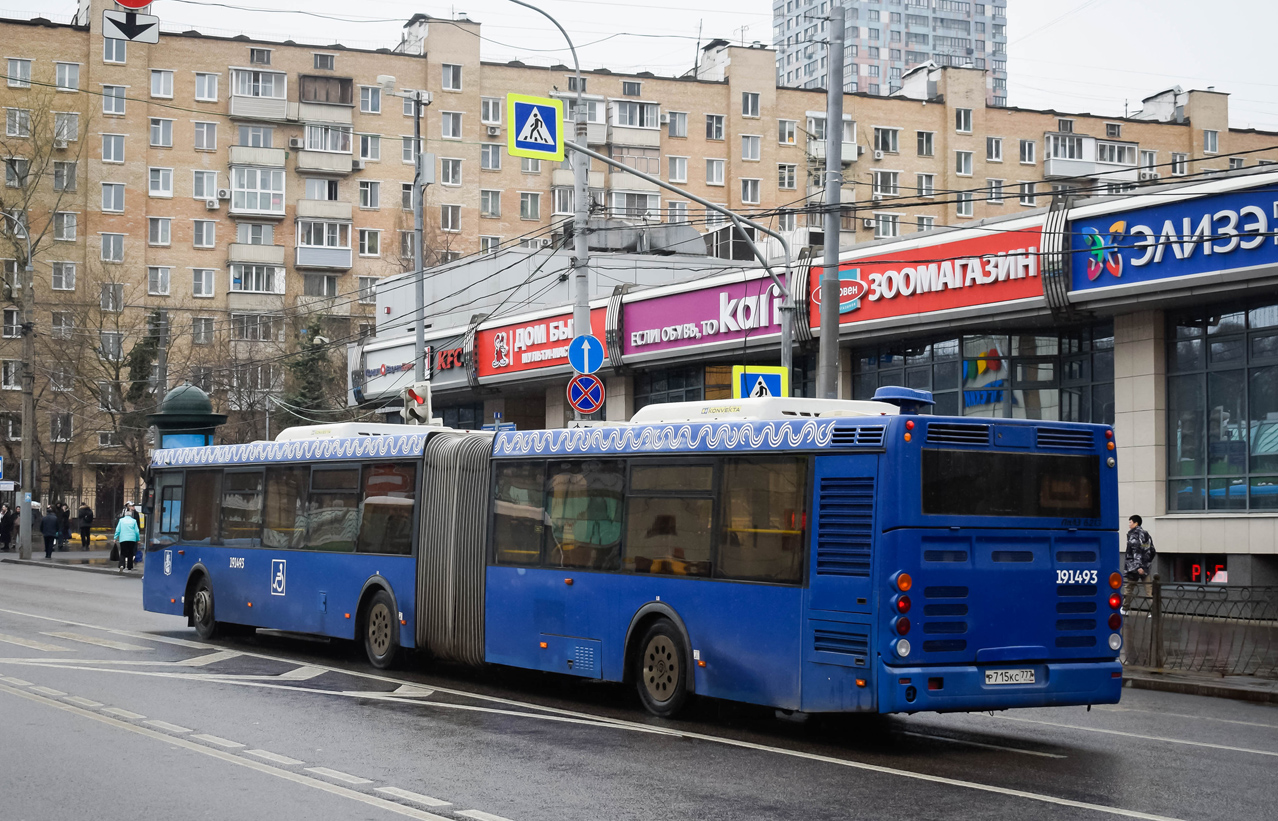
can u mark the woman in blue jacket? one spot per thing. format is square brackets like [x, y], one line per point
[128, 535]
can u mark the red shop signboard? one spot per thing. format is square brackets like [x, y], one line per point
[532, 344]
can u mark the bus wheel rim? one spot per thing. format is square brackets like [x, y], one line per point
[201, 606]
[660, 669]
[379, 629]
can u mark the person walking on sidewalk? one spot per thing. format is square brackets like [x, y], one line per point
[7, 517]
[64, 526]
[128, 535]
[1139, 562]
[49, 527]
[85, 515]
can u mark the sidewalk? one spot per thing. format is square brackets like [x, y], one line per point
[97, 559]
[1242, 688]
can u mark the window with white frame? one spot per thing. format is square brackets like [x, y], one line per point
[323, 234]
[678, 124]
[17, 122]
[205, 87]
[887, 226]
[113, 148]
[677, 211]
[963, 120]
[406, 196]
[490, 110]
[994, 149]
[637, 115]
[159, 230]
[926, 143]
[256, 136]
[1237, 162]
[924, 223]
[16, 172]
[963, 163]
[750, 191]
[450, 171]
[1148, 159]
[370, 244]
[370, 100]
[749, 104]
[114, 50]
[205, 136]
[202, 330]
[367, 290]
[257, 190]
[319, 285]
[490, 158]
[677, 168]
[267, 84]
[1026, 194]
[787, 131]
[787, 176]
[63, 276]
[529, 205]
[562, 200]
[1064, 147]
[489, 244]
[370, 147]
[203, 233]
[60, 428]
[334, 139]
[202, 282]
[204, 185]
[12, 323]
[113, 99]
[994, 191]
[62, 324]
[161, 83]
[64, 176]
[1028, 155]
[406, 244]
[450, 125]
[113, 197]
[257, 279]
[530, 165]
[19, 73]
[111, 297]
[161, 182]
[887, 183]
[11, 378]
[1117, 153]
[964, 204]
[631, 88]
[407, 150]
[926, 184]
[635, 205]
[66, 126]
[1179, 164]
[157, 280]
[370, 194]
[714, 127]
[1211, 141]
[489, 204]
[751, 146]
[255, 327]
[714, 172]
[887, 140]
[452, 77]
[253, 233]
[161, 132]
[67, 77]
[450, 217]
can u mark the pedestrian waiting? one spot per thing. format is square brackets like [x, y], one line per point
[85, 516]
[1139, 562]
[49, 529]
[127, 534]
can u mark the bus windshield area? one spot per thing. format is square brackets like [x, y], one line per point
[987, 483]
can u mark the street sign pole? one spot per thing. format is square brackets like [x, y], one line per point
[828, 347]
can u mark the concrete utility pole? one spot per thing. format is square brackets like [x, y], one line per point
[28, 392]
[581, 206]
[828, 349]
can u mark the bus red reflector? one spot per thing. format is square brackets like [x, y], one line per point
[860, 682]
[701, 662]
[250, 604]
[181, 552]
[903, 604]
[1115, 621]
[403, 621]
[544, 645]
[1116, 674]
[904, 681]
[936, 683]
[903, 625]
[568, 582]
[172, 601]
[909, 424]
[348, 615]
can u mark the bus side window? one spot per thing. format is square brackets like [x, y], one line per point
[285, 519]
[583, 506]
[200, 508]
[333, 509]
[168, 522]
[518, 513]
[762, 517]
[242, 509]
[668, 520]
[388, 514]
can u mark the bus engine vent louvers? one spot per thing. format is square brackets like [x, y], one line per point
[941, 433]
[855, 643]
[845, 529]
[1064, 438]
[865, 436]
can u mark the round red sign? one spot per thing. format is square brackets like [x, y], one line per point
[133, 5]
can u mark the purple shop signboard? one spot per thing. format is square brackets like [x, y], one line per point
[727, 313]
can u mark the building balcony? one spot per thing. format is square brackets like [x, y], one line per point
[638, 137]
[325, 305]
[324, 162]
[1056, 168]
[331, 258]
[622, 181]
[816, 149]
[259, 108]
[247, 155]
[324, 210]
[238, 252]
[563, 178]
[337, 113]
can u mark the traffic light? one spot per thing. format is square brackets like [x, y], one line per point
[416, 404]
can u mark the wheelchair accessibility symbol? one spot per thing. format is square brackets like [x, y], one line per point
[168, 562]
[277, 577]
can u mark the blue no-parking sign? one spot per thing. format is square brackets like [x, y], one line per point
[586, 393]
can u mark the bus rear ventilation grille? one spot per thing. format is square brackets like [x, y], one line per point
[942, 433]
[842, 642]
[1064, 438]
[846, 436]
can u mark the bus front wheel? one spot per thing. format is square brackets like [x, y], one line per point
[661, 670]
[381, 636]
[206, 627]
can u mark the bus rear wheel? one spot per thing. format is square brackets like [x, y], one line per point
[206, 627]
[381, 634]
[661, 670]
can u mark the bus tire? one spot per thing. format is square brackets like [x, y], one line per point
[381, 632]
[202, 616]
[661, 670]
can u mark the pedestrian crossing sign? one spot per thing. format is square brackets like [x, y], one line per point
[759, 382]
[536, 127]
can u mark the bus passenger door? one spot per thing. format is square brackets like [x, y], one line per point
[843, 496]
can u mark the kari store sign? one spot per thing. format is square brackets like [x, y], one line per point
[1000, 266]
[726, 313]
[531, 344]
[1199, 236]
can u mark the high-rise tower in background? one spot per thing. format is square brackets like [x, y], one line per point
[886, 38]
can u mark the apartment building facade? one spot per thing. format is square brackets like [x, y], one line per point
[884, 39]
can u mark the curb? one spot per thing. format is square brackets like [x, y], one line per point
[137, 574]
[1201, 688]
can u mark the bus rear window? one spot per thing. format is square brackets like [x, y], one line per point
[985, 483]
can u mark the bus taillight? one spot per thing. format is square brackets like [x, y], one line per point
[902, 625]
[1115, 620]
[903, 604]
[1115, 601]
[904, 582]
[1115, 580]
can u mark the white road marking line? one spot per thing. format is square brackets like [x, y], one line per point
[296, 778]
[129, 714]
[981, 744]
[16, 682]
[211, 658]
[416, 798]
[112, 630]
[338, 775]
[83, 702]
[114, 645]
[48, 691]
[413, 691]
[1107, 709]
[221, 742]
[276, 757]
[478, 815]
[34, 645]
[302, 673]
[167, 727]
[1142, 737]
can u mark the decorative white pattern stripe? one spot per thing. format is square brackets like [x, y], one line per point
[682, 436]
[301, 450]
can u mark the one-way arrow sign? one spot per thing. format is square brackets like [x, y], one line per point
[129, 25]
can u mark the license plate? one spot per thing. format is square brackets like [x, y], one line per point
[1009, 676]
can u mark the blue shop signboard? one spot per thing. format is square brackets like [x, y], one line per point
[1221, 232]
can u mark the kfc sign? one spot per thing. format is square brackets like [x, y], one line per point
[447, 360]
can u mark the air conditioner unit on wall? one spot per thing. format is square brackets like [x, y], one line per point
[494, 130]
[224, 193]
[59, 143]
[358, 163]
[868, 222]
[878, 155]
[295, 142]
[1149, 175]
[546, 242]
[665, 118]
[212, 205]
[876, 196]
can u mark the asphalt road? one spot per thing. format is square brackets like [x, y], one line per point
[108, 712]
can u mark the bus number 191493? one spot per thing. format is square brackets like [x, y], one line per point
[1076, 577]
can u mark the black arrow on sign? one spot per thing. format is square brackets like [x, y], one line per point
[130, 28]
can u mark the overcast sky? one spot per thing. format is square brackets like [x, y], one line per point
[1071, 55]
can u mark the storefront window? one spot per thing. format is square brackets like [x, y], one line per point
[669, 385]
[931, 366]
[1222, 410]
[463, 417]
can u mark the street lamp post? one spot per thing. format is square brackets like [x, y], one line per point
[25, 524]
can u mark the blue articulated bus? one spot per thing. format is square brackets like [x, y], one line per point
[810, 555]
